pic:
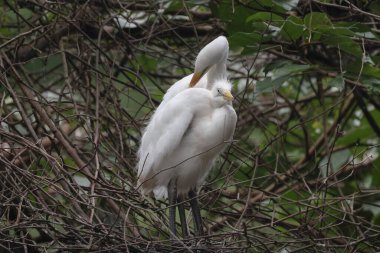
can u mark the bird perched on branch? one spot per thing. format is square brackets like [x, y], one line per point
[188, 131]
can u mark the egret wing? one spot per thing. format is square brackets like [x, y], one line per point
[176, 88]
[180, 86]
[164, 133]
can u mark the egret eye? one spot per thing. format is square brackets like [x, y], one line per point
[220, 92]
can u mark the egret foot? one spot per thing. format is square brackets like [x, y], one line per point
[196, 213]
[172, 195]
[182, 217]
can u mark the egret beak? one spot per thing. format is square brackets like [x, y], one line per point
[228, 96]
[197, 76]
[194, 80]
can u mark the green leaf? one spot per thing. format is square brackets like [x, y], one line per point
[33, 233]
[147, 63]
[290, 69]
[175, 5]
[357, 29]
[344, 31]
[265, 16]
[270, 83]
[371, 70]
[366, 69]
[274, 65]
[371, 83]
[25, 13]
[235, 18]
[354, 26]
[242, 39]
[292, 29]
[253, 49]
[315, 20]
[280, 72]
[345, 43]
[353, 135]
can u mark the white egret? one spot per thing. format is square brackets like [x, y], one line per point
[187, 132]
[212, 59]
[182, 141]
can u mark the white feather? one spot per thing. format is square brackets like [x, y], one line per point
[183, 139]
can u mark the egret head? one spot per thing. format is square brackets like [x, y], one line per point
[222, 91]
[213, 53]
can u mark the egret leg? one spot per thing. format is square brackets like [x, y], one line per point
[172, 195]
[182, 216]
[196, 213]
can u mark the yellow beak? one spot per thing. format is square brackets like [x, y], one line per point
[194, 80]
[197, 76]
[228, 96]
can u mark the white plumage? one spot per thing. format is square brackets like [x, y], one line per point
[183, 139]
[190, 128]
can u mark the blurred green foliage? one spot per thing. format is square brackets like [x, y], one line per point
[304, 172]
